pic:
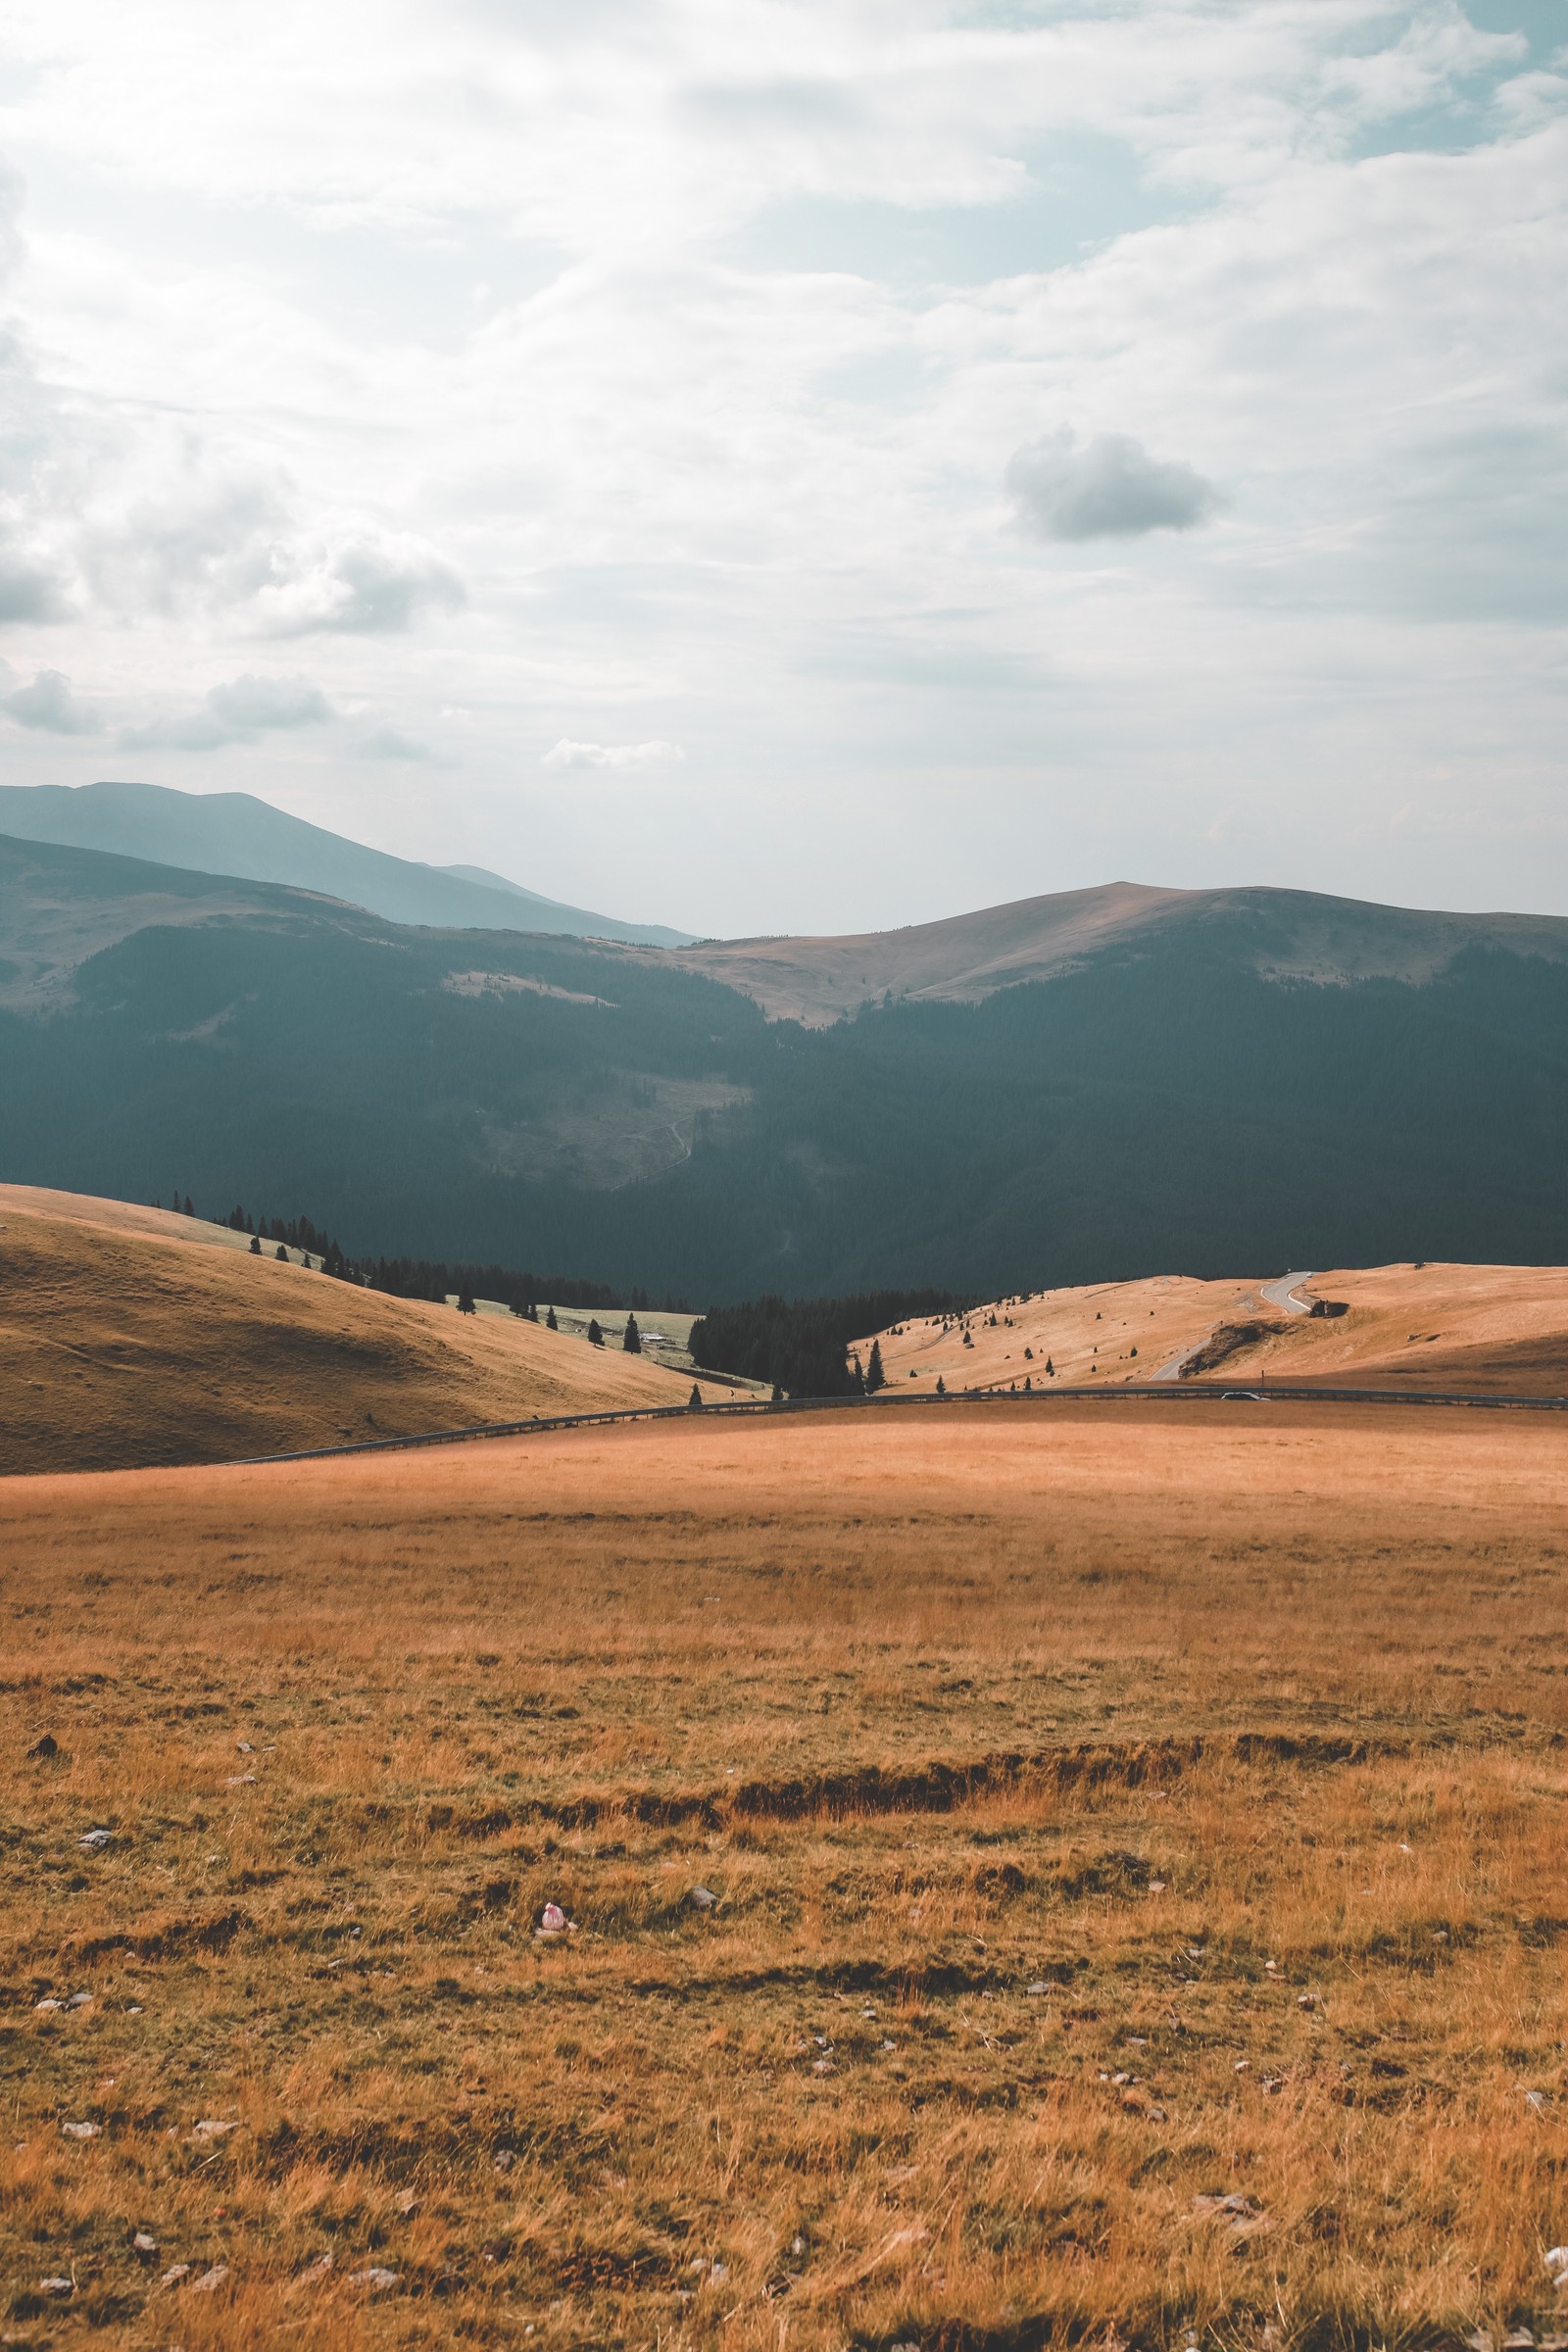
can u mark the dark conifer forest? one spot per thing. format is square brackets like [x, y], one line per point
[654, 1134]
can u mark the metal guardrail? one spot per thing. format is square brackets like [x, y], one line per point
[1142, 1392]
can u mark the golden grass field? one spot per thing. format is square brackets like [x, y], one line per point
[1446, 1326]
[1111, 1809]
[129, 1336]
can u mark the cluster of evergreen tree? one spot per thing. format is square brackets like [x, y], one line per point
[431, 1278]
[802, 1345]
[427, 1278]
[299, 1233]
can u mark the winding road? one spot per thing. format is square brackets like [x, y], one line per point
[1280, 1293]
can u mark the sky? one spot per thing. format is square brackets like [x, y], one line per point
[767, 466]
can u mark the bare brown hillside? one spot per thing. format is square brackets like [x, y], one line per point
[129, 1337]
[1422, 1327]
[1282, 933]
[966, 956]
[1433, 1327]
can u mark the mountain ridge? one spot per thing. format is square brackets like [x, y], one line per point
[238, 836]
[962, 959]
[511, 1098]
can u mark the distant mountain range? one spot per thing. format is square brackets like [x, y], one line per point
[1100, 1085]
[233, 833]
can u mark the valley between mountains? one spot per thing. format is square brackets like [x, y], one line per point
[1106, 1085]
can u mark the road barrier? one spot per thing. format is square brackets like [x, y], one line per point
[752, 1408]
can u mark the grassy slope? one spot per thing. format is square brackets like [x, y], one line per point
[128, 1336]
[1481, 1328]
[1258, 1724]
[1087, 1334]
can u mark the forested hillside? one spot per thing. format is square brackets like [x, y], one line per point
[524, 1100]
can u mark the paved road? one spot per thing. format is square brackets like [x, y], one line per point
[1111, 1393]
[1278, 1294]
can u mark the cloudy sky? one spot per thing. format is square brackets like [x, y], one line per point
[773, 464]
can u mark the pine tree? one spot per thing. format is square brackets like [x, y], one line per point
[282, 1254]
[466, 1305]
[942, 1386]
[875, 1377]
[633, 1337]
[777, 1397]
[695, 1405]
[550, 1321]
[256, 1246]
[1050, 1370]
[189, 1211]
[596, 1337]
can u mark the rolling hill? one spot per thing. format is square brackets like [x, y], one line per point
[1472, 1328]
[59, 908]
[130, 1337]
[231, 833]
[1167, 1081]
[1279, 934]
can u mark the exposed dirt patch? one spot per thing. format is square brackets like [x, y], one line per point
[1224, 1340]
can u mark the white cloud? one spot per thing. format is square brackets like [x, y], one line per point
[567, 754]
[237, 712]
[249, 702]
[1107, 488]
[390, 743]
[362, 587]
[49, 705]
[29, 591]
[209, 531]
[775, 294]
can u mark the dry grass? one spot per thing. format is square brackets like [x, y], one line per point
[1478, 1328]
[1120, 1332]
[1237, 1735]
[1429, 1326]
[130, 1337]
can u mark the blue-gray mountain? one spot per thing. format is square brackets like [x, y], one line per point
[232, 833]
[1102, 1086]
